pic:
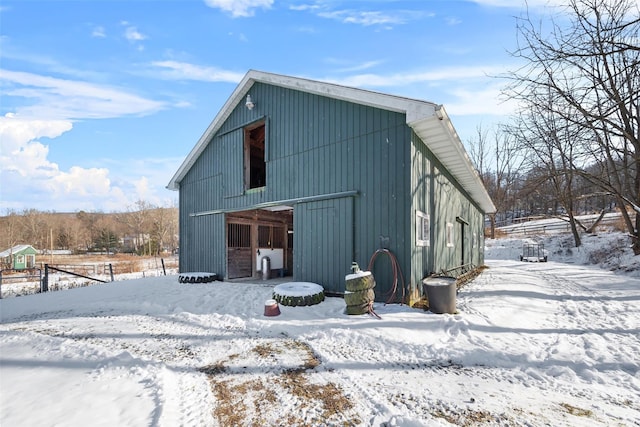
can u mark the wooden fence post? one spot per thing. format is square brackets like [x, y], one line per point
[163, 269]
[111, 271]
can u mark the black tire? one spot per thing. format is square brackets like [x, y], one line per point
[297, 301]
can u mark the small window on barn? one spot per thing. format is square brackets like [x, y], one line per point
[474, 243]
[423, 235]
[255, 165]
[449, 235]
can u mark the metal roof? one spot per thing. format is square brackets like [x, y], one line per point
[428, 120]
[14, 250]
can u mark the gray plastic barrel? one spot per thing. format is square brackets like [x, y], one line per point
[441, 293]
[266, 267]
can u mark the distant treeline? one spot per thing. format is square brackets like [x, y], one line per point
[144, 229]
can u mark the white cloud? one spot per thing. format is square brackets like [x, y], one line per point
[347, 66]
[383, 19]
[15, 132]
[98, 32]
[30, 180]
[485, 100]
[54, 98]
[142, 187]
[133, 35]
[453, 21]
[365, 18]
[239, 8]
[239, 36]
[306, 29]
[363, 66]
[301, 7]
[184, 71]
[81, 182]
[448, 74]
[27, 174]
[463, 90]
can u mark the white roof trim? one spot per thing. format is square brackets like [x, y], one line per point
[438, 134]
[422, 116]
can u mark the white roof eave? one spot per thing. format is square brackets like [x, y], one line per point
[439, 135]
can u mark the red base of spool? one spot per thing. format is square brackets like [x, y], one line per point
[271, 308]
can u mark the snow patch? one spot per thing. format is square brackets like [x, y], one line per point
[357, 275]
[298, 289]
[531, 344]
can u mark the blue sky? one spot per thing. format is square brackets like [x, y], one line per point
[102, 100]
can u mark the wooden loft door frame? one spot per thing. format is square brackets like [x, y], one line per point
[255, 155]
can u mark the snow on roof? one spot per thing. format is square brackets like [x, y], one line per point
[428, 120]
[13, 250]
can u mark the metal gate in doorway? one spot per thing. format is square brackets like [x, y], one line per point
[239, 253]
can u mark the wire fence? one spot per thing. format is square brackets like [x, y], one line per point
[56, 277]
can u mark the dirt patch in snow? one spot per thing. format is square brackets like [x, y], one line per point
[251, 388]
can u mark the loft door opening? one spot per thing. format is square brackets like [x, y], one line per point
[255, 166]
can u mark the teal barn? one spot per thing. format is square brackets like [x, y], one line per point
[316, 176]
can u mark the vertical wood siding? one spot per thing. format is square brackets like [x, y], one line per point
[444, 200]
[422, 257]
[318, 146]
[324, 248]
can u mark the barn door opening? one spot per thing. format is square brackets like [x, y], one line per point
[257, 233]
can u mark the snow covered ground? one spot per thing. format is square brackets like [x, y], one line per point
[532, 344]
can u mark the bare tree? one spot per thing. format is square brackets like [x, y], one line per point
[90, 229]
[589, 60]
[498, 160]
[138, 224]
[10, 229]
[164, 226]
[549, 139]
[34, 229]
